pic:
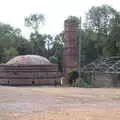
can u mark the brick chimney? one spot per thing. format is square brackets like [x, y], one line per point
[70, 42]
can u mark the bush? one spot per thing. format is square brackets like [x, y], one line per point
[86, 80]
[86, 77]
[72, 76]
[53, 59]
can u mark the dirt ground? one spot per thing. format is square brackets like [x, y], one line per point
[65, 103]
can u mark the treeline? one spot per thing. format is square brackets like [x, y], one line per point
[100, 34]
[100, 37]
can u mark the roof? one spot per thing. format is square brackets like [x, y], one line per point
[29, 60]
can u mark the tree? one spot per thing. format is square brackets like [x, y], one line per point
[12, 43]
[9, 53]
[112, 44]
[98, 20]
[49, 42]
[58, 44]
[1, 53]
[58, 49]
[24, 47]
[34, 21]
[9, 40]
[73, 19]
[6, 35]
[38, 44]
[88, 44]
[37, 40]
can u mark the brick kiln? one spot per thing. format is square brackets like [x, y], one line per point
[28, 70]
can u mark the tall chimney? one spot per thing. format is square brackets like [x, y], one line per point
[70, 42]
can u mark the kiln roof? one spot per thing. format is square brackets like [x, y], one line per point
[29, 60]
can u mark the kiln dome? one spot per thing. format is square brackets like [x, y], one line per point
[29, 60]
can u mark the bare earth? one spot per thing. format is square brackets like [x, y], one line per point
[49, 103]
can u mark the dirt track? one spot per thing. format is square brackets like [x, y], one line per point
[49, 103]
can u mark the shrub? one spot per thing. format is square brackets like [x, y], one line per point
[53, 59]
[72, 76]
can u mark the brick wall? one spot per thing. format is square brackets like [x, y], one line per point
[25, 74]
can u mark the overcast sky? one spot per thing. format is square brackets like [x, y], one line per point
[55, 11]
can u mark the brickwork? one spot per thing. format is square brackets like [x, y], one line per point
[70, 41]
[26, 74]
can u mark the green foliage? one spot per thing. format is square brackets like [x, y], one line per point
[111, 49]
[72, 76]
[53, 59]
[38, 44]
[9, 42]
[49, 41]
[37, 40]
[9, 53]
[98, 18]
[101, 36]
[57, 48]
[85, 81]
[86, 78]
[1, 52]
[34, 20]
[73, 19]
[24, 48]
[58, 45]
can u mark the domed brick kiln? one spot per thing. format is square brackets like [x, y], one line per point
[28, 70]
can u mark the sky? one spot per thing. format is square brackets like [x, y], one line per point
[13, 12]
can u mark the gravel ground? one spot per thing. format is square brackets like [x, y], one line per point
[49, 103]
